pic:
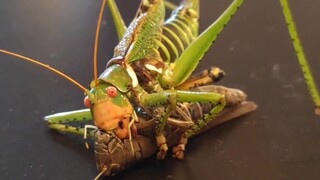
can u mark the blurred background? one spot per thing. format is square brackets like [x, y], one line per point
[278, 141]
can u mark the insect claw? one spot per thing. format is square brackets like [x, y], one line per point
[163, 147]
[162, 151]
[179, 151]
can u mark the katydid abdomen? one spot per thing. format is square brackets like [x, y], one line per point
[178, 32]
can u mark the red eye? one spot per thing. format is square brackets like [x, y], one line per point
[112, 91]
[87, 102]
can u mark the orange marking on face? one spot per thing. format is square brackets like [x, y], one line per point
[108, 116]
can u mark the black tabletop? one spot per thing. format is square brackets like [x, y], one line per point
[278, 141]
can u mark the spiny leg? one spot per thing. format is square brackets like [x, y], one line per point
[67, 129]
[70, 116]
[169, 99]
[208, 76]
[233, 96]
[162, 121]
[190, 58]
[312, 87]
[57, 121]
[201, 123]
[117, 19]
[205, 112]
[160, 138]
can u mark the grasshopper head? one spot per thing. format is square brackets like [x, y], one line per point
[111, 109]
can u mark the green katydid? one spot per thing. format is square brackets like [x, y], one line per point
[312, 87]
[150, 75]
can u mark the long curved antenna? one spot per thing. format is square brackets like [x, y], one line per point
[95, 56]
[47, 67]
[301, 56]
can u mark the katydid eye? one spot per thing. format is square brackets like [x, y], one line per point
[87, 102]
[112, 91]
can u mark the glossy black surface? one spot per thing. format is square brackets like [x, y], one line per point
[278, 141]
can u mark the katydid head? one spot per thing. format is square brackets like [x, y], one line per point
[111, 109]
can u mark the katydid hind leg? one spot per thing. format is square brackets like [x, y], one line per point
[207, 112]
[304, 64]
[179, 149]
[203, 113]
[189, 59]
[217, 100]
[206, 77]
